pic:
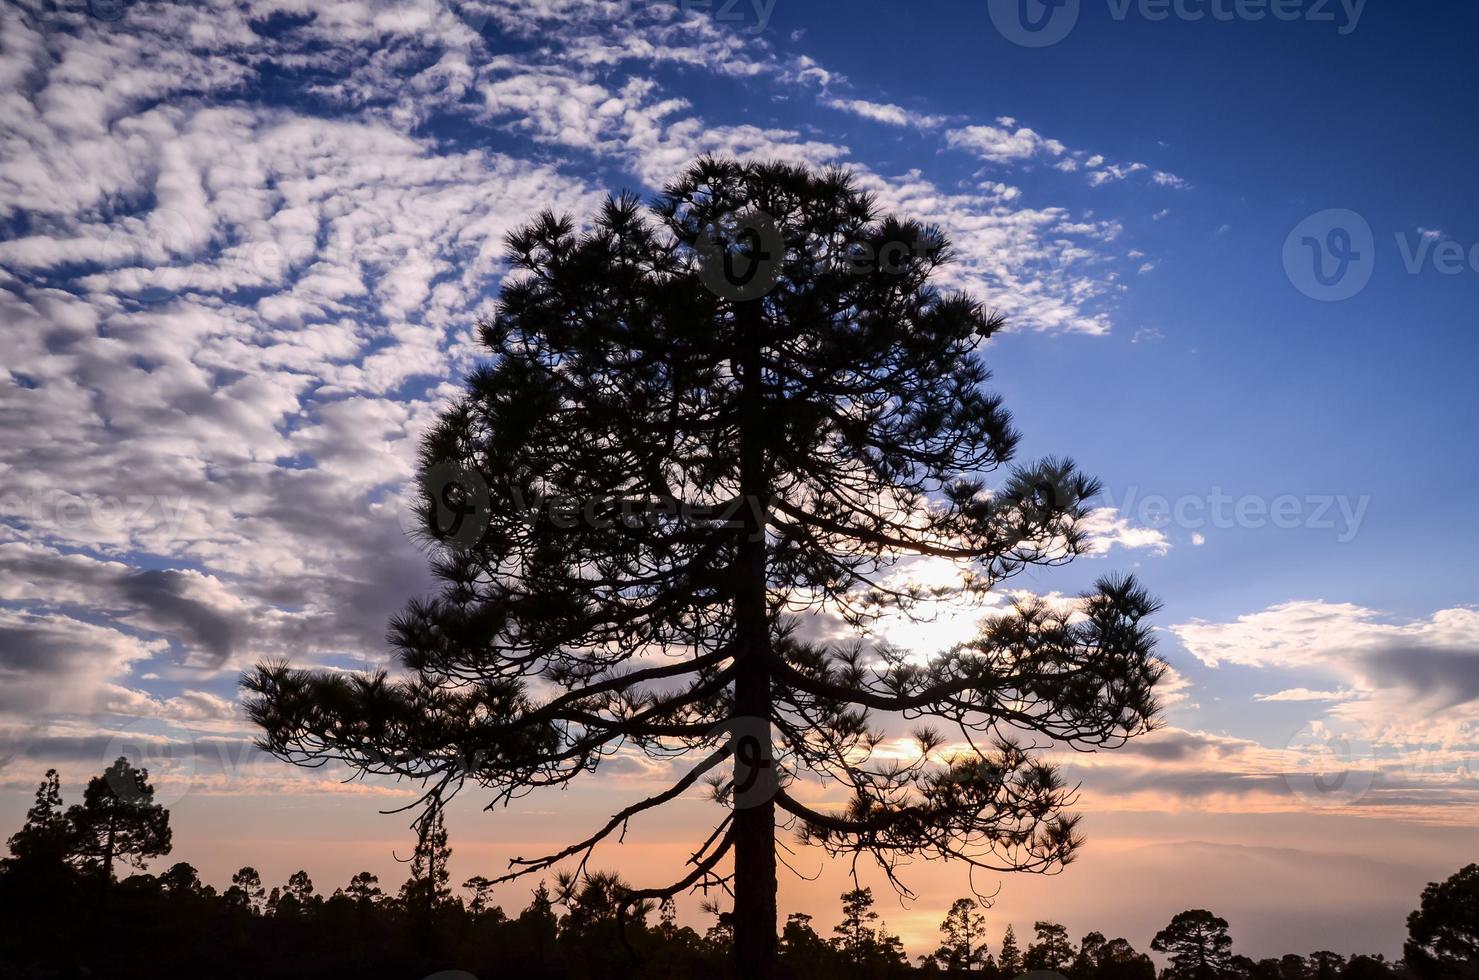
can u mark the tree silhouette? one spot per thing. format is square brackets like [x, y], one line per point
[1118, 960]
[1052, 949]
[1443, 934]
[1086, 961]
[246, 890]
[963, 924]
[1009, 959]
[45, 838]
[364, 889]
[1197, 943]
[118, 820]
[699, 425]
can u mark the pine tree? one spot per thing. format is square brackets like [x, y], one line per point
[427, 888]
[700, 424]
[117, 820]
[1051, 950]
[45, 839]
[1197, 944]
[963, 924]
[1009, 959]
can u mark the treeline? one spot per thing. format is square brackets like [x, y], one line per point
[64, 912]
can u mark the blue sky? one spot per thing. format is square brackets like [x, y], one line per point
[242, 247]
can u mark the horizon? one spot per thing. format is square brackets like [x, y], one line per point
[243, 256]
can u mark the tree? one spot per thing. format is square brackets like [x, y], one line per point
[697, 425]
[118, 820]
[364, 888]
[1118, 960]
[856, 934]
[1086, 963]
[1009, 959]
[1053, 950]
[1443, 933]
[181, 879]
[481, 901]
[45, 838]
[1327, 965]
[246, 890]
[1197, 944]
[962, 925]
[427, 889]
[806, 953]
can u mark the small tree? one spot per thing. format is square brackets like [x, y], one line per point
[1443, 934]
[1086, 963]
[118, 820]
[856, 933]
[364, 889]
[1052, 950]
[480, 891]
[1118, 960]
[45, 838]
[963, 925]
[698, 424]
[1009, 960]
[246, 890]
[1197, 943]
[181, 879]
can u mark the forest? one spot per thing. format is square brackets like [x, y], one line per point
[77, 900]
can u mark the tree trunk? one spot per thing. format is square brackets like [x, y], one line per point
[754, 814]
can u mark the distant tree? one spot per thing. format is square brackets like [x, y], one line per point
[1009, 959]
[364, 888]
[45, 838]
[1197, 944]
[1118, 960]
[855, 933]
[1443, 934]
[1086, 962]
[1292, 966]
[118, 820]
[295, 898]
[1051, 950]
[660, 468]
[861, 938]
[480, 890]
[181, 879]
[963, 926]
[1326, 965]
[427, 889]
[246, 890]
[1367, 968]
[805, 952]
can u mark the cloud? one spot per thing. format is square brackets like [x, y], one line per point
[1414, 675]
[885, 112]
[1004, 143]
[1305, 694]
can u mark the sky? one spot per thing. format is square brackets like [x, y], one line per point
[243, 247]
